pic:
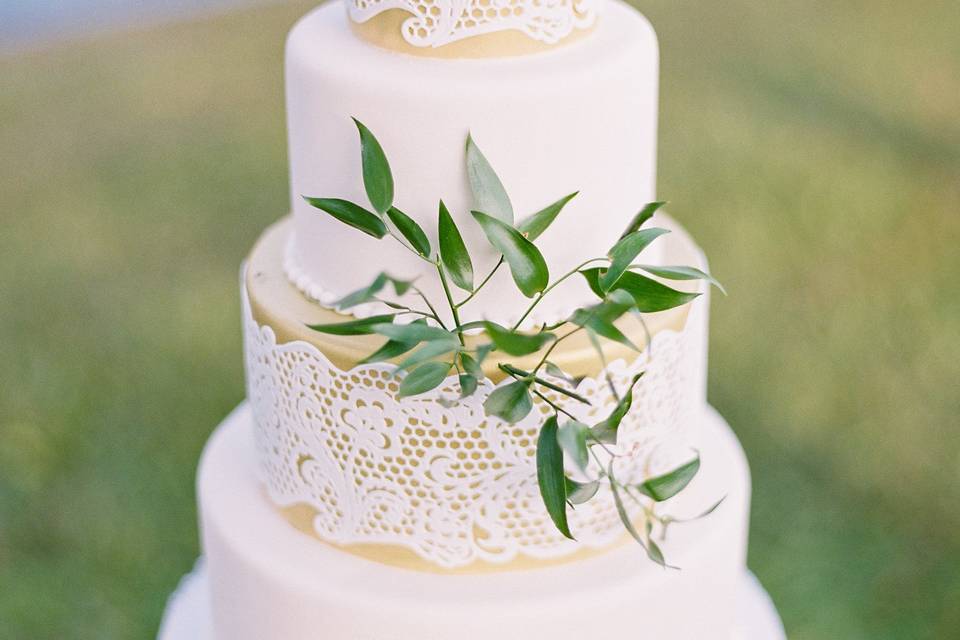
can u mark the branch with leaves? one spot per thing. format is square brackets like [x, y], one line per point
[427, 349]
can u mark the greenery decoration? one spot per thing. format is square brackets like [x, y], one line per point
[430, 348]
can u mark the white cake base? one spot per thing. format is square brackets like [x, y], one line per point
[188, 611]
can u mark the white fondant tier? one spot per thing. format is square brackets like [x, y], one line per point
[580, 117]
[188, 615]
[269, 580]
[443, 480]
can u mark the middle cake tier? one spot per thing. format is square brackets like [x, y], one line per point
[432, 482]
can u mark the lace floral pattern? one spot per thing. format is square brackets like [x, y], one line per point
[441, 478]
[434, 23]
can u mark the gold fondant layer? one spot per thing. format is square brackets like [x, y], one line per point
[277, 303]
[386, 30]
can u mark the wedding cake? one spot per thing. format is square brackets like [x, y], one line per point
[506, 463]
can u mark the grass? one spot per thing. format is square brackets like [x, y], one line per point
[812, 147]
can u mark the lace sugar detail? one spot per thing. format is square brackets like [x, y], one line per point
[434, 23]
[446, 482]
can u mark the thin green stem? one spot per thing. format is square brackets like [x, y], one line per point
[542, 294]
[453, 307]
[480, 286]
[512, 370]
[553, 346]
[426, 301]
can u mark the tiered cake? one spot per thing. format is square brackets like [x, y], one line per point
[333, 509]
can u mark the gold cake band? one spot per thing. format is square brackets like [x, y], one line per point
[277, 303]
[386, 30]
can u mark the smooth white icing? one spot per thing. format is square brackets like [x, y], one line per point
[580, 117]
[268, 580]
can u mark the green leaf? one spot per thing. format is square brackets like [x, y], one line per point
[468, 385]
[414, 332]
[377, 179]
[510, 403]
[682, 273]
[424, 378]
[557, 372]
[527, 265]
[361, 327]
[368, 293]
[470, 365]
[600, 318]
[666, 486]
[553, 485]
[514, 343]
[488, 192]
[622, 510]
[645, 214]
[606, 431]
[410, 230]
[391, 349]
[624, 252]
[536, 224]
[453, 252]
[648, 294]
[429, 351]
[579, 493]
[350, 214]
[573, 440]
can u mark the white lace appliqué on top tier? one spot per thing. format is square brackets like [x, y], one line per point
[442, 479]
[434, 23]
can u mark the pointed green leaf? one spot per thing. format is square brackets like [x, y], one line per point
[410, 230]
[377, 179]
[468, 385]
[536, 224]
[429, 351]
[606, 431]
[555, 371]
[666, 486]
[514, 343]
[527, 265]
[360, 296]
[624, 252]
[645, 214]
[414, 331]
[553, 486]
[361, 327]
[622, 510]
[682, 273]
[488, 192]
[600, 318]
[648, 294]
[391, 349]
[573, 440]
[579, 493]
[453, 252]
[350, 214]
[424, 378]
[369, 292]
[510, 402]
[470, 365]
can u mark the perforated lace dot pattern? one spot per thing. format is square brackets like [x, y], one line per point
[434, 23]
[443, 479]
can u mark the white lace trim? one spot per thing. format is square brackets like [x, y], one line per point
[434, 23]
[444, 480]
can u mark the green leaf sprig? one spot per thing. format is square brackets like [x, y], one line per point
[574, 460]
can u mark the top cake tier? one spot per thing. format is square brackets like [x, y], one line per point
[581, 116]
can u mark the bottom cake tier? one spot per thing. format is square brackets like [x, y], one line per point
[267, 580]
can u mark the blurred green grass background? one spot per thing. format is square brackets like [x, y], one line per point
[812, 147]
